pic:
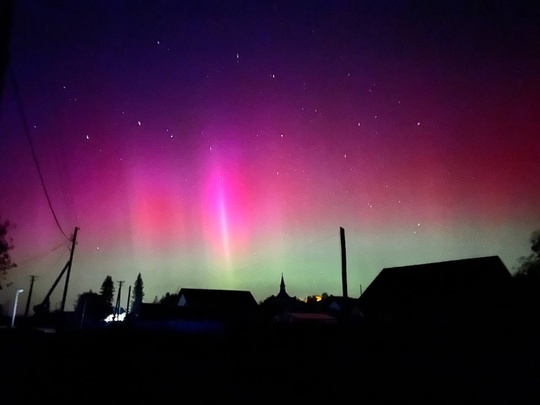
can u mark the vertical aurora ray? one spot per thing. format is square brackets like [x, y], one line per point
[225, 215]
[224, 226]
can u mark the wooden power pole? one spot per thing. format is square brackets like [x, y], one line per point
[117, 307]
[70, 262]
[32, 278]
[128, 299]
[343, 263]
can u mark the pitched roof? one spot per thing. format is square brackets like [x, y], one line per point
[449, 282]
[219, 299]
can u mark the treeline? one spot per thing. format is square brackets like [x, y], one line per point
[92, 307]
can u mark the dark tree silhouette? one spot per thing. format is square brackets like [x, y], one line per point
[529, 266]
[138, 294]
[6, 244]
[312, 299]
[107, 292]
[170, 299]
[91, 308]
[527, 283]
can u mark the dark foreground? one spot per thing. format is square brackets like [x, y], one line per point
[307, 365]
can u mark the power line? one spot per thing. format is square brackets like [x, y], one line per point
[29, 138]
[42, 255]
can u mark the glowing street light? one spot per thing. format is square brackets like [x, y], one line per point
[20, 290]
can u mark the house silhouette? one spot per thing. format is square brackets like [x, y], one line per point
[200, 310]
[457, 292]
[217, 302]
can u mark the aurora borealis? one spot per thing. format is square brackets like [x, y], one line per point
[212, 144]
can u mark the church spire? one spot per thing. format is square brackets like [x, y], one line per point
[282, 292]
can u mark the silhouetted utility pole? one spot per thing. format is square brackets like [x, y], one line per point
[129, 297]
[343, 262]
[70, 262]
[117, 309]
[32, 278]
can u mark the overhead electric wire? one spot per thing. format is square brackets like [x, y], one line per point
[42, 255]
[29, 138]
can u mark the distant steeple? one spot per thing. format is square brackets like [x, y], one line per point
[282, 293]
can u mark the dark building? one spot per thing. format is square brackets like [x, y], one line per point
[469, 292]
[201, 311]
[283, 297]
[217, 302]
[276, 305]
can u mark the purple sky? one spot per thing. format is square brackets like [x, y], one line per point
[212, 144]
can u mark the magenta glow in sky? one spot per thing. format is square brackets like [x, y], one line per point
[221, 144]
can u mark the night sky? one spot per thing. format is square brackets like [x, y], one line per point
[221, 144]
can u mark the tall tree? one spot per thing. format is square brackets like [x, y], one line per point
[6, 244]
[107, 292]
[529, 266]
[138, 294]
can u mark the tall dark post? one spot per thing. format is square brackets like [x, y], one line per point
[70, 262]
[129, 297]
[32, 278]
[117, 309]
[343, 262]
